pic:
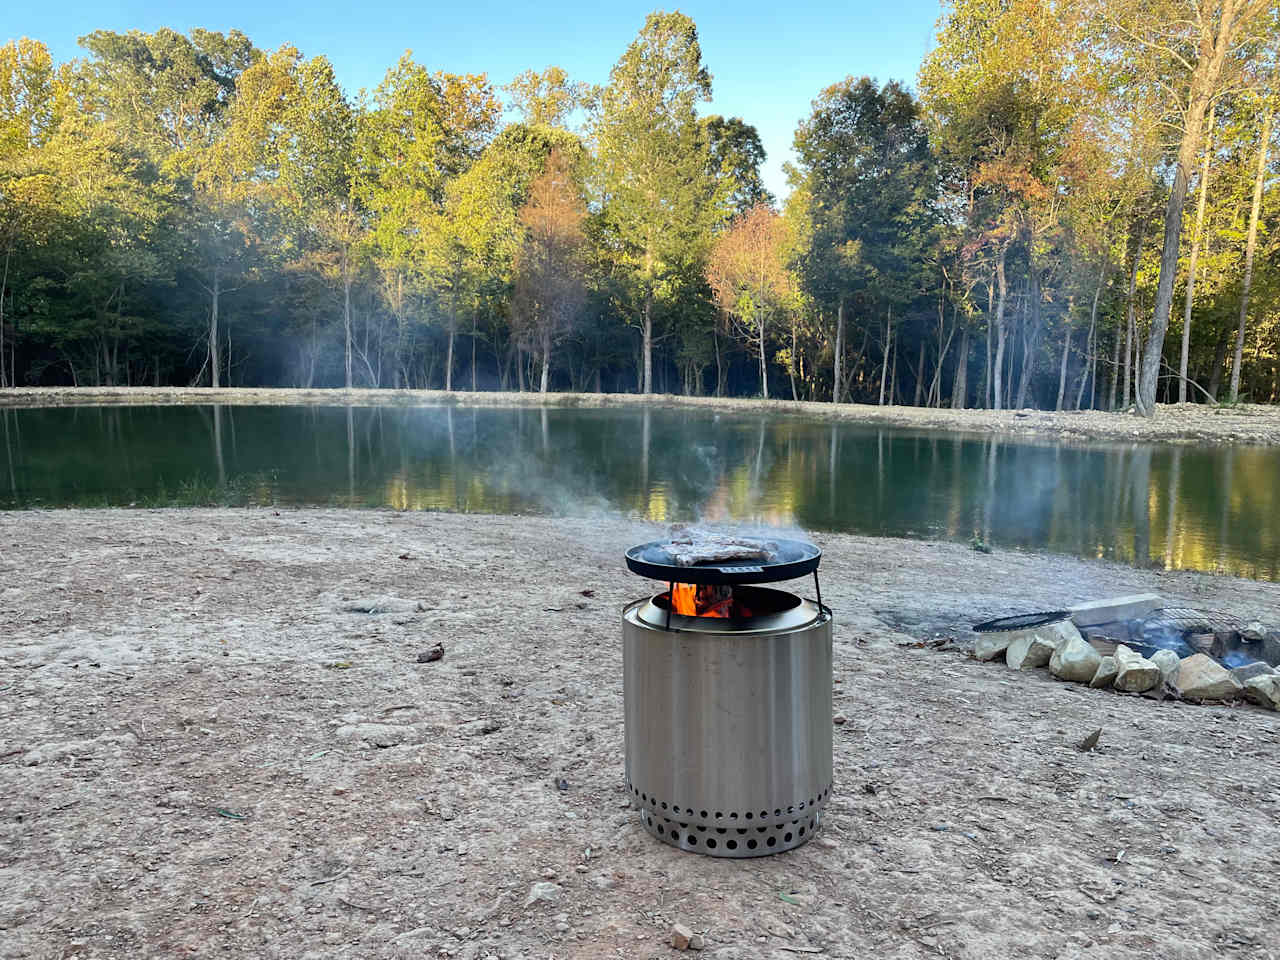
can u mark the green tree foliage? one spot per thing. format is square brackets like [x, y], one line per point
[548, 98]
[736, 154]
[187, 208]
[655, 181]
[865, 179]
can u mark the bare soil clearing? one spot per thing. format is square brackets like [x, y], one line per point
[1189, 423]
[216, 740]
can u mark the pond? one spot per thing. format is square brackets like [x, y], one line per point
[1205, 508]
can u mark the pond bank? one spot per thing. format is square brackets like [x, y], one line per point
[1190, 423]
[194, 711]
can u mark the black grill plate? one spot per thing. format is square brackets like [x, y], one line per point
[796, 558]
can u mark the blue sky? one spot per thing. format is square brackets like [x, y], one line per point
[768, 60]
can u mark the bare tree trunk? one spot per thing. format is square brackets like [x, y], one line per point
[4, 285]
[647, 333]
[1129, 317]
[715, 335]
[986, 373]
[764, 371]
[1030, 334]
[998, 367]
[546, 365]
[1087, 369]
[1137, 352]
[1062, 369]
[1115, 369]
[1201, 202]
[893, 372]
[960, 383]
[448, 356]
[1250, 246]
[919, 395]
[1090, 341]
[884, 368]
[838, 384]
[1128, 358]
[934, 399]
[346, 310]
[1093, 379]
[214, 364]
[1204, 83]
[855, 366]
[791, 366]
[473, 354]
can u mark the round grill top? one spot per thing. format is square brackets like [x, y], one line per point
[1025, 621]
[795, 558]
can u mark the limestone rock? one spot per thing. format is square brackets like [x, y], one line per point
[1250, 670]
[1117, 608]
[1075, 660]
[377, 734]
[1028, 652]
[990, 646]
[544, 892]
[1134, 672]
[379, 603]
[1105, 675]
[1264, 691]
[680, 936]
[1254, 632]
[1271, 648]
[1168, 663]
[1202, 678]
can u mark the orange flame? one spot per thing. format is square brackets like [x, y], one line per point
[690, 600]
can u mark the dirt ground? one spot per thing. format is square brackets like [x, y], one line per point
[1189, 423]
[206, 750]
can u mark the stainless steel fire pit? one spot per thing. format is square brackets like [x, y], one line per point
[728, 719]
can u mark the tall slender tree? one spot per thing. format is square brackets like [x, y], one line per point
[1193, 47]
[658, 195]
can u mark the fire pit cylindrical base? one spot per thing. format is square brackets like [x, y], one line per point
[728, 726]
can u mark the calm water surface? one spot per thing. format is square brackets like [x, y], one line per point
[1212, 508]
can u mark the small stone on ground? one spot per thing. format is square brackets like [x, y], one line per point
[681, 936]
[544, 892]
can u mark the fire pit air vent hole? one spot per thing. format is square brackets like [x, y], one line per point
[779, 813]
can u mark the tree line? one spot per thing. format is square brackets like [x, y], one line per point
[1076, 207]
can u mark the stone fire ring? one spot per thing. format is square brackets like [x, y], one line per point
[1033, 640]
[1027, 640]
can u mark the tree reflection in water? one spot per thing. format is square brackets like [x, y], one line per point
[1210, 508]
